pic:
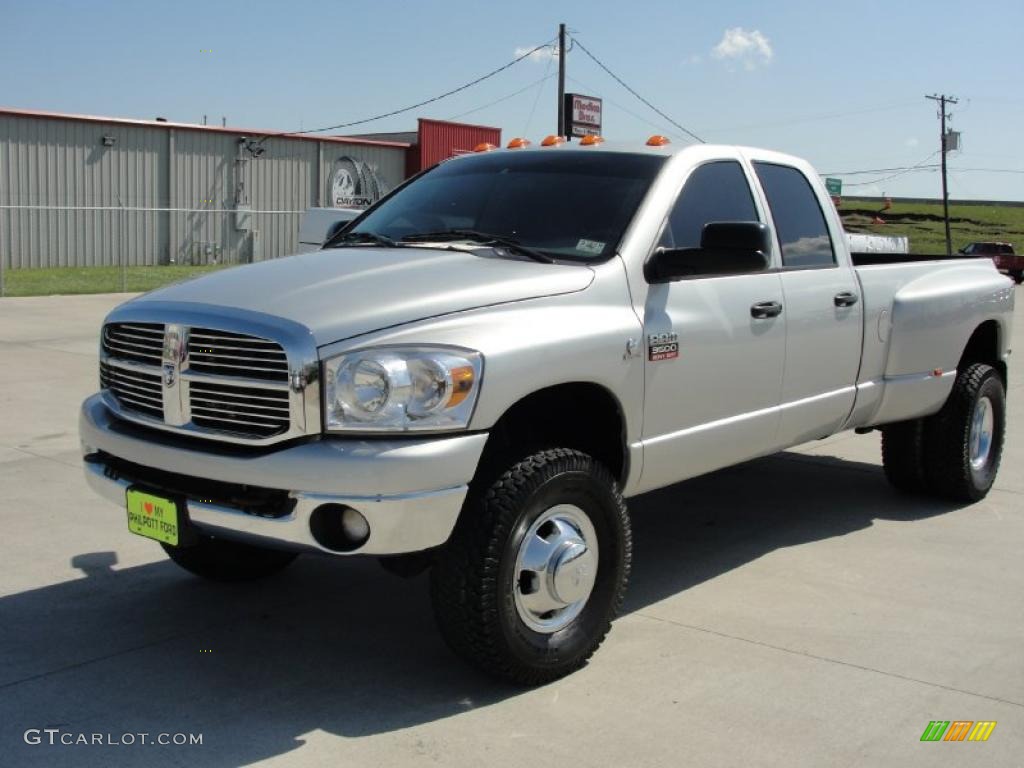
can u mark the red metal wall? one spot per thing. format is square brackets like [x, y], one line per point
[439, 140]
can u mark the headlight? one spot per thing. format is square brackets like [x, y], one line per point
[400, 389]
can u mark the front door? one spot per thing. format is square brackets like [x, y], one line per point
[714, 400]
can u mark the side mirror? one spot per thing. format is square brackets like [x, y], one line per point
[726, 248]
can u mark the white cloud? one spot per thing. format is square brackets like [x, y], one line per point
[912, 142]
[748, 47]
[694, 58]
[541, 54]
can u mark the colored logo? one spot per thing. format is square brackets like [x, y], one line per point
[958, 730]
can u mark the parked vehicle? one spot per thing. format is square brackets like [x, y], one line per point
[317, 225]
[1002, 254]
[475, 374]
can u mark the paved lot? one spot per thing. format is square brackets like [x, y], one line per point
[788, 612]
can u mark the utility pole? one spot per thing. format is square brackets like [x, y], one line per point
[943, 146]
[561, 79]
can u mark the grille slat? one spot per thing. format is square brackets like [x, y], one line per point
[200, 402]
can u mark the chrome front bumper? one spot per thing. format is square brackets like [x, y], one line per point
[410, 491]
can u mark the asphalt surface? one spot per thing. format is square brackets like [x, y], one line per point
[792, 611]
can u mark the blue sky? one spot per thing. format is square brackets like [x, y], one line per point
[839, 83]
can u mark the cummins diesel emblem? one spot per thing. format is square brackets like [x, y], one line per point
[662, 346]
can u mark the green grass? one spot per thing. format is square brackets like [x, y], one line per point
[923, 224]
[69, 280]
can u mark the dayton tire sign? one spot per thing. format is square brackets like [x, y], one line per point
[354, 184]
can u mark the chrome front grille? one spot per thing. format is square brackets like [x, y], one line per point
[234, 354]
[263, 412]
[209, 382]
[138, 342]
[135, 389]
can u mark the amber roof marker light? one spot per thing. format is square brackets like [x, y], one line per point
[518, 143]
[658, 141]
[484, 146]
[591, 140]
[553, 141]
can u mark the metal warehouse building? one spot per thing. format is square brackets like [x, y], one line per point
[79, 190]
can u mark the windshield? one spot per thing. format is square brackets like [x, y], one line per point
[565, 204]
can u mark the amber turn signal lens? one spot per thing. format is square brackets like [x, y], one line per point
[552, 141]
[658, 141]
[462, 384]
[518, 143]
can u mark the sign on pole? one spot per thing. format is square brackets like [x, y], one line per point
[583, 115]
[834, 186]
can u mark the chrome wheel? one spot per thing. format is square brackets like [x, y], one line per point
[556, 568]
[982, 426]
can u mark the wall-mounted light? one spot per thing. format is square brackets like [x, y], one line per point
[108, 141]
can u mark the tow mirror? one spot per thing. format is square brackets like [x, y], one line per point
[726, 248]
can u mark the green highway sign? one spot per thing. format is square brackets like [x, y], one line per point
[834, 187]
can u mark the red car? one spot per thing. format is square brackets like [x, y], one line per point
[1002, 254]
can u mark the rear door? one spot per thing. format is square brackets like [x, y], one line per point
[824, 324]
[713, 370]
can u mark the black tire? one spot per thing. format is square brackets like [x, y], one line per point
[903, 455]
[474, 580]
[947, 437]
[1018, 276]
[220, 560]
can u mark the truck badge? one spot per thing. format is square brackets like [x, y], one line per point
[662, 346]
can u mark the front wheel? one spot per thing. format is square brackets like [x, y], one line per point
[1018, 276]
[220, 560]
[963, 442]
[536, 570]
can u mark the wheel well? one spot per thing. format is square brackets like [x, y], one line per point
[578, 415]
[983, 347]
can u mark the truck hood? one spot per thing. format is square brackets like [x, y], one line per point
[344, 292]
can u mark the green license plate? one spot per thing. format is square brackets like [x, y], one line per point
[153, 517]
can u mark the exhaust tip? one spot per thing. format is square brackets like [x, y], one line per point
[338, 528]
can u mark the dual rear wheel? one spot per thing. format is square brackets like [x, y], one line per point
[955, 453]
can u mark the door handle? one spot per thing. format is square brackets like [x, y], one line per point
[845, 299]
[765, 309]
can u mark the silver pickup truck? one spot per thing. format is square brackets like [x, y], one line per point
[474, 374]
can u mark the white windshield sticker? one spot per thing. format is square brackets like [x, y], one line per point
[590, 246]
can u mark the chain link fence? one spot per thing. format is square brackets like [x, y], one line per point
[49, 249]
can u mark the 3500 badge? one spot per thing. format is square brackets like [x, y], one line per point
[662, 346]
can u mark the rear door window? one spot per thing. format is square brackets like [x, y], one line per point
[799, 221]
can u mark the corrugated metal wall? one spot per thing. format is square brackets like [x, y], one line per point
[68, 200]
[71, 183]
[439, 140]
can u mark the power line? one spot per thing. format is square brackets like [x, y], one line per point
[536, 100]
[411, 107]
[627, 110]
[919, 166]
[503, 98]
[620, 81]
[879, 170]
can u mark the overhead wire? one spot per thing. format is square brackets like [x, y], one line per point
[919, 166]
[417, 105]
[512, 95]
[640, 98]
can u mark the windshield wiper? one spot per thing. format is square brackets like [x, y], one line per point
[360, 238]
[484, 238]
